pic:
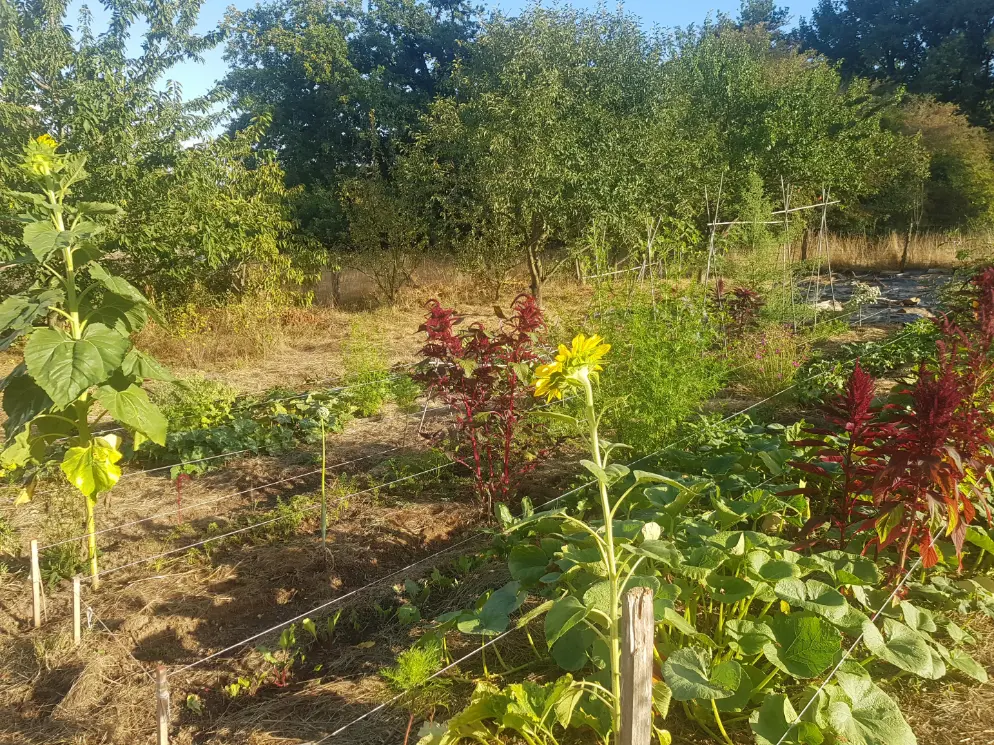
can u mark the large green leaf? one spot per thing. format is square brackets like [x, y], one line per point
[139, 365]
[726, 589]
[119, 313]
[859, 713]
[570, 652]
[494, 617]
[803, 645]
[701, 562]
[748, 637]
[564, 614]
[690, 675]
[528, 563]
[130, 406]
[18, 313]
[962, 661]
[93, 469]
[65, 367]
[775, 723]
[903, 647]
[121, 287]
[23, 400]
[42, 238]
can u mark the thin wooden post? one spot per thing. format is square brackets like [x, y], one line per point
[36, 597]
[162, 704]
[77, 627]
[637, 627]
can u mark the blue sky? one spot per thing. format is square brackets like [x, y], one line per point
[197, 79]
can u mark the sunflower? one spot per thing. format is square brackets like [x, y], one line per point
[40, 158]
[572, 365]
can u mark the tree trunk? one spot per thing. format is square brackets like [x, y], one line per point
[804, 244]
[535, 272]
[904, 252]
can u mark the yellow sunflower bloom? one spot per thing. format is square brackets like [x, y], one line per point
[40, 156]
[574, 364]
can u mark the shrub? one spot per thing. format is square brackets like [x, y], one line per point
[198, 402]
[663, 370]
[766, 361]
[483, 377]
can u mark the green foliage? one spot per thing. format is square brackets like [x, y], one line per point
[414, 674]
[198, 402]
[766, 361]
[663, 369]
[83, 358]
[960, 189]
[826, 375]
[276, 423]
[937, 47]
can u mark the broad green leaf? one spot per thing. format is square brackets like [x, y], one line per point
[902, 647]
[661, 698]
[18, 313]
[23, 400]
[775, 723]
[528, 563]
[826, 601]
[776, 570]
[132, 408]
[701, 562]
[555, 416]
[917, 618]
[751, 678]
[960, 660]
[958, 634]
[494, 616]
[139, 365]
[570, 652]
[596, 470]
[121, 287]
[803, 645]
[690, 675]
[862, 714]
[662, 551]
[979, 538]
[92, 469]
[42, 238]
[65, 367]
[564, 614]
[598, 597]
[125, 316]
[726, 589]
[747, 637]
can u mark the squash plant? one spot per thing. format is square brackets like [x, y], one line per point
[79, 367]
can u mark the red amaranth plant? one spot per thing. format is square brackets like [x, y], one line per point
[483, 376]
[741, 305]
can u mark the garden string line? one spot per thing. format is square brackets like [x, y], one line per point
[243, 529]
[253, 526]
[193, 506]
[228, 496]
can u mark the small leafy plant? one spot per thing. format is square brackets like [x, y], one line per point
[79, 369]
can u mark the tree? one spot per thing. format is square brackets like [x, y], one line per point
[198, 209]
[553, 123]
[215, 224]
[938, 47]
[345, 83]
[86, 91]
[960, 188]
[763, 13]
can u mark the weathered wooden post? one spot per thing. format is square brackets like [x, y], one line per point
[637, 628]
[162, 704]
[77, 622]
[36, 591]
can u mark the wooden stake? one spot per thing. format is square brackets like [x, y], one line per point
[35, 584]
[162, 705]
[637, 627]
[77, 628]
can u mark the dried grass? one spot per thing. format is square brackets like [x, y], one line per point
[925, 251]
